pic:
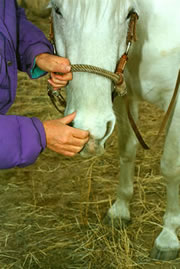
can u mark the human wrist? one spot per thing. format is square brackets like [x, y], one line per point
[39, 60]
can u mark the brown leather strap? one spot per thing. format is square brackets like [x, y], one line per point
[133, 124]
[131, 35]
[169, 110]
[164, 122]
[51, 30]
[122, 64]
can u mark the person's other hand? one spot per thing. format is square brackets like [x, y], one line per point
[64, 139]
[55, 64]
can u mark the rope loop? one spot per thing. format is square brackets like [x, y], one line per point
[117, 78]
[96, 70]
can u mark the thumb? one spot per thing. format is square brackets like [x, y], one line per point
[63, 68]
[69, 118]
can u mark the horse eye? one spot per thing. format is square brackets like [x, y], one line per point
[57, 10]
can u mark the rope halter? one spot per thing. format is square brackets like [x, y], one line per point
[117, 78]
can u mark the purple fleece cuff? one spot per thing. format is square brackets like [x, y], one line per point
[40, 128]
[31, 54]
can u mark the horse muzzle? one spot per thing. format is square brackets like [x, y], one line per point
[94, 147]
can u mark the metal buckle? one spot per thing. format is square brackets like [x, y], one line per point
[55, 96]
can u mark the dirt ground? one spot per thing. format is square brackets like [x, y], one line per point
[51, 213]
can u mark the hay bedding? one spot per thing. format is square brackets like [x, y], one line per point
[51, 212]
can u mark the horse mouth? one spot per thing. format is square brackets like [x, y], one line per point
[92, 148]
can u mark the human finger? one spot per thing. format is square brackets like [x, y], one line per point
[79, 133]
[68, 118]
[62, 77]
[57, 85]
[61, 148]
[64, 151]
[56, 79]
[58, 82]
[78, 142]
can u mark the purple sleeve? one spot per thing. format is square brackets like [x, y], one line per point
[21, 141]
[31, 42]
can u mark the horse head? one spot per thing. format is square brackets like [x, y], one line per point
[93, 33]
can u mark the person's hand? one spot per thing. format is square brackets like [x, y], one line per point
[64, 139]
[55, 64]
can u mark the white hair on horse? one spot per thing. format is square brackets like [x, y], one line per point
[94, 32]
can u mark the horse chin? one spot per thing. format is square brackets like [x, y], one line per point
[92, 148]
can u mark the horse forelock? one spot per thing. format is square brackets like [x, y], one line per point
[100, 9]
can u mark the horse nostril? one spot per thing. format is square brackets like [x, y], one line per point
[108, 128]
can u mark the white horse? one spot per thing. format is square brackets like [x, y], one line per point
[94, 32]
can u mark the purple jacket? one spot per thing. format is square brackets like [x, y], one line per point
[22, 139]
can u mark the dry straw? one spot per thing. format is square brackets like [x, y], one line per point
[52, 212]
[38, 7]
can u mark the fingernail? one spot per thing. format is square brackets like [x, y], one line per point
[68, 68]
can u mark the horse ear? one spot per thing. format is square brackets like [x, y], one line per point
[49, 5]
